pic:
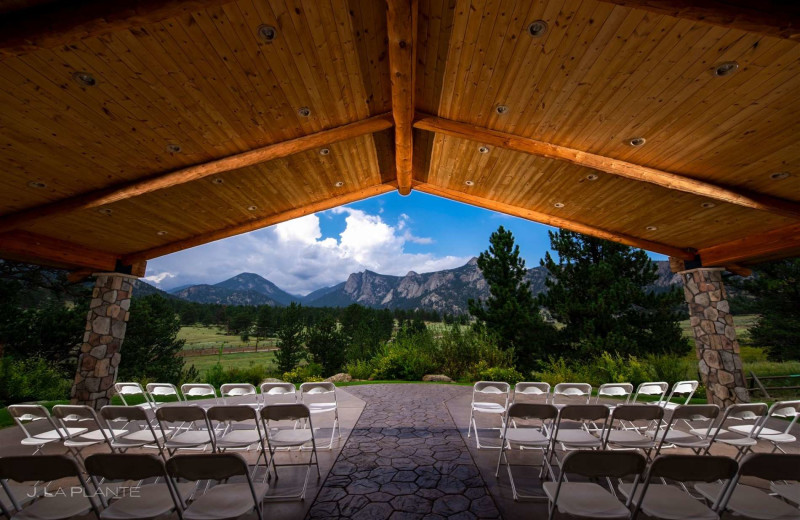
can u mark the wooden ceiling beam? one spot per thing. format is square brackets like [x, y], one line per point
[401, 19]
[608, 165]
[756, 246]
[255, 224]
[161, 181]
[550, 220]
[780, 19]
[38, 249]
[53, 24]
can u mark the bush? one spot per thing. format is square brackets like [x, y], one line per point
[408, 358]
[359, 369]
[460, 353]
[614, 368]
[253, 374]
[509, 375]
[557, 371]
[31, 379]
[303, 374]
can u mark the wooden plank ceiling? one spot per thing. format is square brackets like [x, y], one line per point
[133, 129]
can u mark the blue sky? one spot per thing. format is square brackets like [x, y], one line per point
[389, 234]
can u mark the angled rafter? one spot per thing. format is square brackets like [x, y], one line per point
[401, 19]
[38, 249]
[767, 17]
[52, 24]
[192, 173]
[759, 246]
[550, 220]
[255, 224]
[608, 165]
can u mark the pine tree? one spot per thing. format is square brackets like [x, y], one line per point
[327, 345]
[598, 291]
[776, 288]
[510, 313]
[291, 335]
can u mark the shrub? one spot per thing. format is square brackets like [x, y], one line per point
[359, 369]
[671, 368]
[557, 371]
[217, 375]
[31, 379]
[460, 352]
[303, 374]
[509, 375]
[408, 358]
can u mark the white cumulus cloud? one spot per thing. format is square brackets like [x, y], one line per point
[295, 256]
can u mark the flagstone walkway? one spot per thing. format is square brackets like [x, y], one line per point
[405, 459]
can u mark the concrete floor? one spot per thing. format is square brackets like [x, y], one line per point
[404, 454]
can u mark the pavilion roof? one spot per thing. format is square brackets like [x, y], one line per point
[132, 129]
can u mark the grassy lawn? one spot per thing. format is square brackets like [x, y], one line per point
[198, 337]
[234, 360]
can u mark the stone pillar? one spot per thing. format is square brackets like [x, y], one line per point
[718, 356]
[102, 341]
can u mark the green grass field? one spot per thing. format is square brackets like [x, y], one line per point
[233, 360]
[198, 337]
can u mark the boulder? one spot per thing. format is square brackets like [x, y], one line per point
[439, 378]
[339, 378]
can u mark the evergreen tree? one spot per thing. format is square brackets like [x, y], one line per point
[776, 291]
[326, 345]
[598, 291]
[510, 313]
[150, 349]
[291, 335]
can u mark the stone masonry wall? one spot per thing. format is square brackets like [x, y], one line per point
[102, 341]
[717, 349]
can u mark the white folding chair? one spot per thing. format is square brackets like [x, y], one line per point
[224, 500]
[526, 436]
[754, 413]
[320, 398]
[53, 505]
[243, 390]
[651, 389]
[131, 389]
[491, 398]
[158, 391]
[525, 392]
[588, 499]
[674, 502]
[237, 429]
[184, 427]
[572, 429]
[135, 429]
[679, 389]
[288, 438]
[620, 391]
[28, 416]
[780, 410]
[698, 441]
[751, 502]
[571, 390]
[144, 500]
[278, 393]
[631, 438]
[193, 391]
[98, 433]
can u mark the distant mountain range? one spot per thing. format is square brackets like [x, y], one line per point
[444, 291]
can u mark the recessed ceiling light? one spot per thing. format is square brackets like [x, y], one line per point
[304, 111]
[483, 149]
[161, 233]
[84, 79]
[217, 180]
[339, 184]
[777, 176]
[252, 208]
[651, 228]
[726, 69]
[105, 211]
[707, 205]
[469, 183]
[37, 184]
[174, 148]
[637, 141]
[558, 205]
[592, 177]
[537, 28]
[324, 151]
[501, 109]
[267, 33]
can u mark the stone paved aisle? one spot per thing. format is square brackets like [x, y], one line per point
[404, 460]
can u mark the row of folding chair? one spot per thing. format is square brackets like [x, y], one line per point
[716, 479]
[181, 427]
[638, 427]
[170, 487]
[494, 397]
